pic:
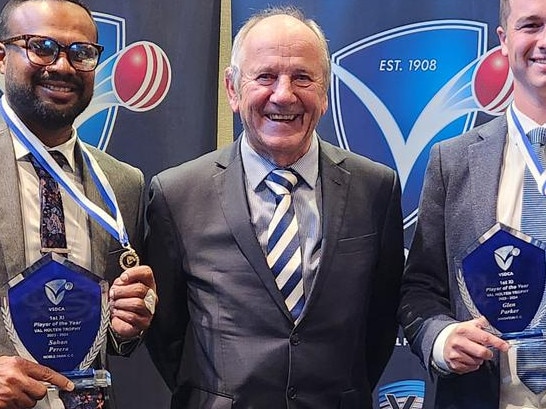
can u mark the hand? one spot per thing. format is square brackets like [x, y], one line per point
[467, 346]
[23, 383]
[132, 301]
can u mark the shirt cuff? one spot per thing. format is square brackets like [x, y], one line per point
[124, 346]
[438, 359]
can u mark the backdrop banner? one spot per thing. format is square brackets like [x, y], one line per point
[403, 78]
[154, 107]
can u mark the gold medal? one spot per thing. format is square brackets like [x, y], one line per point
[128, 259]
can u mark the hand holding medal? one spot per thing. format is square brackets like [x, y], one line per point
[132, 297]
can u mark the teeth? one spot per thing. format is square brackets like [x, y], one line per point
[281, 117]
[57, 88]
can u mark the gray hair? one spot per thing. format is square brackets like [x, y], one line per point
[290, 11]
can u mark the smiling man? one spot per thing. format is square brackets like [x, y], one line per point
[279, 257]
[491, 174]
[48, 56]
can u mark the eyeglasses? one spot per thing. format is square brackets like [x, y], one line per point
[44, 51]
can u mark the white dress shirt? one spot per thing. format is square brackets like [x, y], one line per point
[76, 219]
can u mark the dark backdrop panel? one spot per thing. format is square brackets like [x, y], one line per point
[181, 128]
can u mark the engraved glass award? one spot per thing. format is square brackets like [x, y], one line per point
[502, 276]
[56, 313]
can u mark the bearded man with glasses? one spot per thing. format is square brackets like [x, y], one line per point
[48, 54]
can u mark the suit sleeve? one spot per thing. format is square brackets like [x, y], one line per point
[425, 301]
[382, 324]
[165, 337]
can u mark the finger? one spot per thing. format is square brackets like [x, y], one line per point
[481, 322]
[136, 320]
[44, 374]
[466, 351]
[126, 329]
[477, 332]
[463, 356]
[132, 305]
[139, 274]
[462, 369]
[135, 290]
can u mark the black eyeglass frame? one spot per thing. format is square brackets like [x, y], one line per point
[60, 47]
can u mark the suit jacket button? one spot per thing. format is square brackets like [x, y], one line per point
[295, 339]
[291, 393]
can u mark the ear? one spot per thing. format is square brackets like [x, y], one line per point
[2, 58]
[232, 94]
[324, 104]
[502, 39]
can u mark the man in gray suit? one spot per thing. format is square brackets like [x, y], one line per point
[233, 330]
[472, 182]
[48, 54]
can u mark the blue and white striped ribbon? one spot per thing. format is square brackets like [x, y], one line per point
[112, 224]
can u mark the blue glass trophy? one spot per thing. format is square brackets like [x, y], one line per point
[502, 276]
[56, 313]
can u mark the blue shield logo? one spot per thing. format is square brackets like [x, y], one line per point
[396, 93]
[96, 123]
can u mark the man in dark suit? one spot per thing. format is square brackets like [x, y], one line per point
[233, 330]
[472, 182]
[48, 54]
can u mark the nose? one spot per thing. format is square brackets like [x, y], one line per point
[283, 92]
[61, 63]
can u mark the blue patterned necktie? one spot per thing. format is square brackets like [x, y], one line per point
[533, 213]
[283, 244]
[531, 358]
[52, 227]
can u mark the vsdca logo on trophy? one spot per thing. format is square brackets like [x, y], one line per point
[136, 77]
[397, 92]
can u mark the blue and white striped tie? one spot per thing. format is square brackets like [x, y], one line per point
[531, 358]
[533, 212]
[283, 244]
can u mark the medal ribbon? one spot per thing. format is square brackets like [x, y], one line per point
[113, 225]
[529, 156]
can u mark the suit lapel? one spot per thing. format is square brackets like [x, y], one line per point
[485, 160]
[231, 190]
[335, 188]
[12, 244]
[99, 236]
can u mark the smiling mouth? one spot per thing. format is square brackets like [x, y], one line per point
[539, 60]
[58, 88]
[282, 117]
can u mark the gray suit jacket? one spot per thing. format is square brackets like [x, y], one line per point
[458, 204]
[222, 336]
[128, 185]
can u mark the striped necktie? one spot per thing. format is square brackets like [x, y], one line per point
[531, 358]
[283, 244]
[52, 227]
[533, 212]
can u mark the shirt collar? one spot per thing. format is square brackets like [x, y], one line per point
[257, 167]
[67, 149]
[526, 123]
